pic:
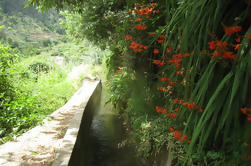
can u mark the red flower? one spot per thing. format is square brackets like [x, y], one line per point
[244, 110]
[170, 130]
[169, 87]
[165, 79]
[162, 36]
[150, 34]
[159, 63]
[154, 4]
[212, 45]
[179, 72]
[217, 53]
[160, 41]
[237, 47]
[145, 47]
[173, 115]
[168, 50]
[249, 117]
[177, 134]
[162, 89]
[140, 27]
[186, 55]
[128, 37]
[183, 139]
[158, 109]
[163, 111]
[181, 101]
[139, 19]
[176, 60]
[231, 30]
[156, 51]
[222, 45]
[238, 39]
[175, 100]
[229, 55]
[249, 36]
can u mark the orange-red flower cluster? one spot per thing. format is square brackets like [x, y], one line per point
[136, 47]
[164, 79]
[160, 110]
[168, 50]
[154, 4]
[156, 51]
[170, 84]
[171, 115]
[160, 41]
[180, 72]
[139, 19]
[176, 60]
[158, 62]
[221, 50]
[140, 27]
[162, 36]
[178, 135]
[150, 34]
[247, 111]
[163, 111]
[161, 89]
[144, 11]
[190, 106]
[231, 30]
[128, 37]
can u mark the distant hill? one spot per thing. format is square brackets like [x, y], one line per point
[49, 19]
[26, 28]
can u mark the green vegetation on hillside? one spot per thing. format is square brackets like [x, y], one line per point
[27, 29]
[37, 64]
[30, 89]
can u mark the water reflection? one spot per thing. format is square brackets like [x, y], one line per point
[103, 144]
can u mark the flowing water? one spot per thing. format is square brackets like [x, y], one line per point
[104, 142]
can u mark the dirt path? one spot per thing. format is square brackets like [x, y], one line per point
[38, 146]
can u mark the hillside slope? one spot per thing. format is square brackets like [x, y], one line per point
[26, 28]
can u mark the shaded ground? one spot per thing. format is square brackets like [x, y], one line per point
[38, 146]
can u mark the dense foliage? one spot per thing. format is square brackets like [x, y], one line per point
[179, 70]
[36, 65]
[30, 89]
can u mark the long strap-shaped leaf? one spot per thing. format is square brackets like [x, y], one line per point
[207, 113]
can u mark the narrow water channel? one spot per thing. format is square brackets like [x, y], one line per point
[103, 143]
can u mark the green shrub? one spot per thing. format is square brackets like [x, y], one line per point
[30, 89]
